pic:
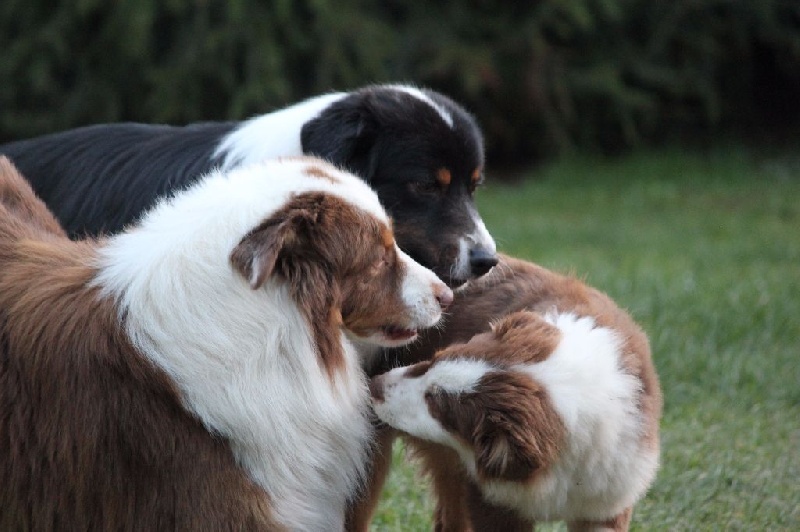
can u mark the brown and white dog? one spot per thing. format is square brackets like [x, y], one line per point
[549, 413]
[198, 371]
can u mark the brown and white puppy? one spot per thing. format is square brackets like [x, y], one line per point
[198, 371]
[549, 413]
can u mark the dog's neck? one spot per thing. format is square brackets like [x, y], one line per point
[271, 135]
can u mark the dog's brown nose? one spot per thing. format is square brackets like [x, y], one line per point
[481, 261]
[443, 295]
[376, 388]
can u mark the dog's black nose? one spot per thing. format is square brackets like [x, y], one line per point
[481, 261]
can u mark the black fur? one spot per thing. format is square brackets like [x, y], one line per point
[98, 179]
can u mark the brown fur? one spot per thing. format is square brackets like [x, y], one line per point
[318, 171]
[475, 177]
[512, 286]
[508, 420]
[444, 177]
[333, 281]
[515, 285]
[14, 197]
[92, 436]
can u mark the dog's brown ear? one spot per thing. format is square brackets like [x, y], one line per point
[17, 195]
[518, 432]
[518, 320]
[256, 255]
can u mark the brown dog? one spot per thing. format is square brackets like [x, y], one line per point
[551, 413]
[199, 371]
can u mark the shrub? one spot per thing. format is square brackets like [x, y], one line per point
[543, 77]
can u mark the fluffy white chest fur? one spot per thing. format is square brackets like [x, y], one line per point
[243, 359]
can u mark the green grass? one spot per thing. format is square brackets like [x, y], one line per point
[704, 250]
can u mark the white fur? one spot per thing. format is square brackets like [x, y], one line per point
[418, 94]
[603, 467]
[479, 238]
[275, 134]
[416, 286]
[404, 405]
[242, 358]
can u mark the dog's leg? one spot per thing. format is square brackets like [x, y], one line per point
[486, 517]
[360, 511]
[618, 523]
[449, 484]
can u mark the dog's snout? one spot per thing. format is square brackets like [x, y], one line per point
[443, 295]
[481, 261]
[376, 388]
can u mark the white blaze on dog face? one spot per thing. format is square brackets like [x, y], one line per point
[422, 291]
[477, 241]
[401, 396]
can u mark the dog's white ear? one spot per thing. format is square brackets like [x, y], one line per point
[256, 255]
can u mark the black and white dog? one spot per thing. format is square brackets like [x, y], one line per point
[421, 152]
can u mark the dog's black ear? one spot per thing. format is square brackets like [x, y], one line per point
[342, 134]
[256, 255]
[518, 432]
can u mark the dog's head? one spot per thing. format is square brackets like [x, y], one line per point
[477, 399]
[336, 249]
[423, 154]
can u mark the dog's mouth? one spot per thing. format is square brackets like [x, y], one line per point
[390, 335]
[397, 335]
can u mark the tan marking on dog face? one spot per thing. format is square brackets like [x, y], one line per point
[475, 179]
[444, 177]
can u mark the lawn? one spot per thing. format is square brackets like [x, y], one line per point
[704, 250]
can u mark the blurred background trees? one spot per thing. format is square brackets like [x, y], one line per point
[544, 77]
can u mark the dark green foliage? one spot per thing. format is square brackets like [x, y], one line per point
[543, 77]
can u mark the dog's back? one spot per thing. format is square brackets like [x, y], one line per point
[135, 165]
[516, 285]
